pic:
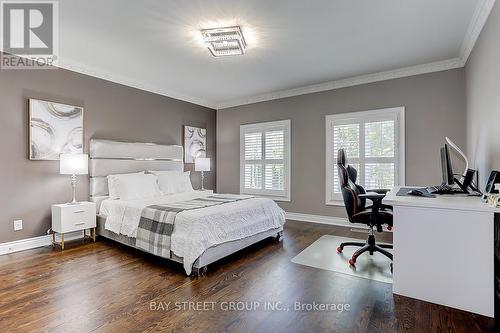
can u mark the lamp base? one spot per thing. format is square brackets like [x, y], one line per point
[73, 186]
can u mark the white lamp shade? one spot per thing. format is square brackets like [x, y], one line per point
[202, 164]
[74, 164]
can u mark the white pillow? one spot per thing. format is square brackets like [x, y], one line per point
[172, 182]
[113, 181]
[139, 187]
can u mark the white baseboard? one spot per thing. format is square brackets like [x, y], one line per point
[33, 243]
[330, 220]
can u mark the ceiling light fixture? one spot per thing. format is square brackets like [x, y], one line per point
[223, 42]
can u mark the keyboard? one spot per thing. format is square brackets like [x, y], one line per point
[441, 189]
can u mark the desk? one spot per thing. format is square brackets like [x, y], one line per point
[444, 250]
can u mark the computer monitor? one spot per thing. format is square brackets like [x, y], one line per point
[466, 180]
[446, 168]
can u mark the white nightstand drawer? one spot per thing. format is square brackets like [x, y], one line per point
[68, 218]
[77, 219]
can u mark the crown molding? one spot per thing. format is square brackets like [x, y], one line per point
[86, 70]
[80, 68]
[474, 29]
[349, 82]
[476, 25]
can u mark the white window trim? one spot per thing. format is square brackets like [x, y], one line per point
[365, 115]
[287, 159]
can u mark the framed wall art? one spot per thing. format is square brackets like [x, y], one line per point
[195, 143]
[54, 129]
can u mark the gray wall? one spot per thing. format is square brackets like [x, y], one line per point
[483, 98]
[435, 108]
[112, 111]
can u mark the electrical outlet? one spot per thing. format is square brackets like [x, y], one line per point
[18, 225]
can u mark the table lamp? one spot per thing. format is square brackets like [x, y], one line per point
[202, 164]
[74, 164]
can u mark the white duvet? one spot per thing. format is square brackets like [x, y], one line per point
[199, 229]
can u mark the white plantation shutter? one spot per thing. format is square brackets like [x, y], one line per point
[275, 153]
[253, 146]
[253, 176]
[275, 177]
[253, 158]
[347, 137]
[265, 159]
[275, 144]
[374, 145]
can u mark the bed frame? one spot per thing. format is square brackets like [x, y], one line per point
[113, 157]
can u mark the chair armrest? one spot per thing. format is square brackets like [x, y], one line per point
[376, 198]
[372, 196]
[379, 190]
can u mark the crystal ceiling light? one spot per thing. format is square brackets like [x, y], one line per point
[226, 41]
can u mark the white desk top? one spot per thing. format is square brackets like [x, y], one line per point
[456, 202]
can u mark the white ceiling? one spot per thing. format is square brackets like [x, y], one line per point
[155, 44]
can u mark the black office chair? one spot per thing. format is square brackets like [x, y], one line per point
[355, 203]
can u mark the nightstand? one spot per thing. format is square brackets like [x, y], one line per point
[73, 217]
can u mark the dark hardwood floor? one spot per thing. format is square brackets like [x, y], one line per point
[107, 287]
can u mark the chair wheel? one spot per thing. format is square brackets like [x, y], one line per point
[340, 249]
[352, 262]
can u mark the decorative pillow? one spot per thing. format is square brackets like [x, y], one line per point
[172, 182]
[139, 187]
[114, 191]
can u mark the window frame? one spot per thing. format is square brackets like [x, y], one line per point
[263, 127]
[397, 114]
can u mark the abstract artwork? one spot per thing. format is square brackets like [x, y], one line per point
[195, 143]
[54, 129]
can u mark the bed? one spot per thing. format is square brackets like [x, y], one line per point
[200, 236]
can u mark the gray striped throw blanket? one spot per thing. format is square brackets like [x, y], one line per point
[157, 221]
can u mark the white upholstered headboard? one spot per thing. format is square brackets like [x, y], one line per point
[113, 157]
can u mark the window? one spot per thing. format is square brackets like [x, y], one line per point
[374, 145]
[265, 159]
